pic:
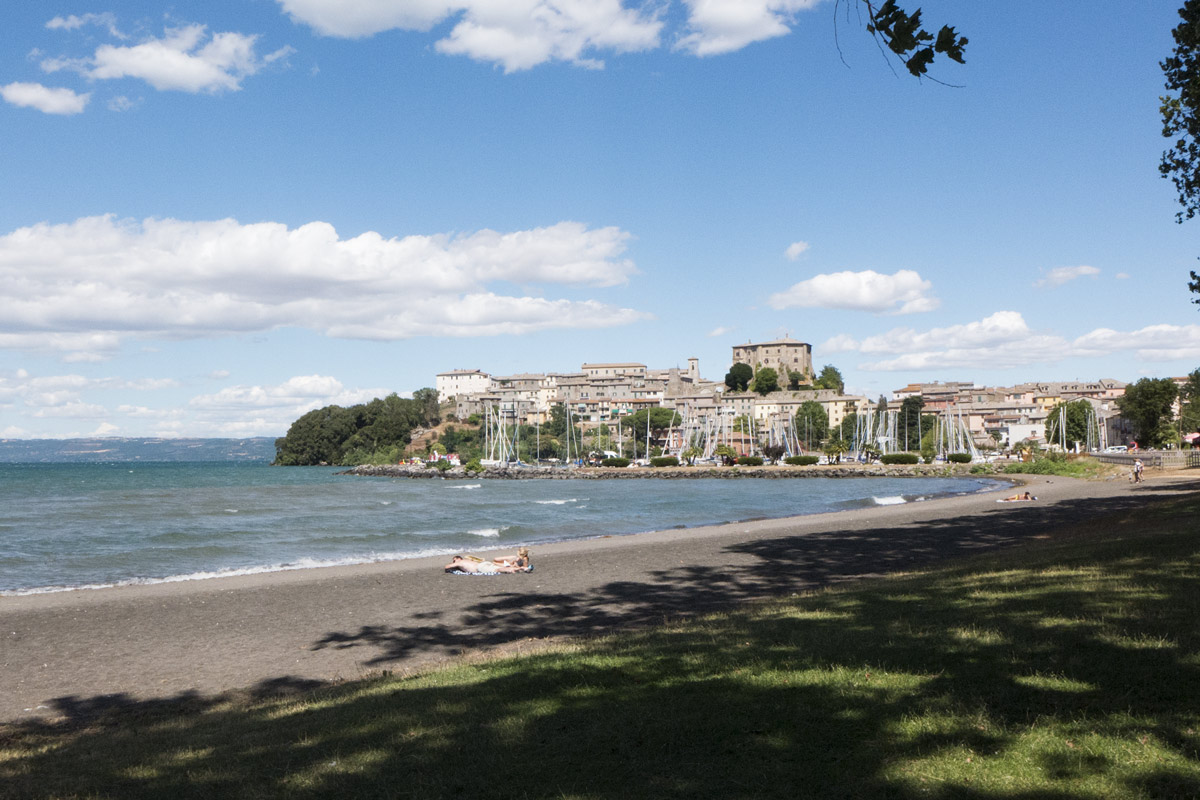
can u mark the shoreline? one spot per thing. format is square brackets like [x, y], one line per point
[74, 654]
[1002, 481]
[538, 472]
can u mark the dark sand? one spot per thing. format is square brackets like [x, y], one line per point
[78, 653]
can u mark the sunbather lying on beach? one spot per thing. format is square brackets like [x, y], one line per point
[494, 566]
[1016, 497]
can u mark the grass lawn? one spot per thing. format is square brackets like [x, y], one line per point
[1069, 669]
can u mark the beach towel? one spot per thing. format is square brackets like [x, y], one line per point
[487, 574]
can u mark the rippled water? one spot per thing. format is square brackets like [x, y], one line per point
[78, 525]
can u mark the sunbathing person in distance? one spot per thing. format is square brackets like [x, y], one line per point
[1018, 496]
[495, 566]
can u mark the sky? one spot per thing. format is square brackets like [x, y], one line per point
[216, 216]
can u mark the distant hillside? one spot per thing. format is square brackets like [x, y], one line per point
[259, 448]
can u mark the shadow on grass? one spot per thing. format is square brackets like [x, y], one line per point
[1055, 675]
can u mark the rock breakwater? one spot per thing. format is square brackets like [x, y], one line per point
[668, 473]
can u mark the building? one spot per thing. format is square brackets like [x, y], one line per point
[781, 355]
[461, 381]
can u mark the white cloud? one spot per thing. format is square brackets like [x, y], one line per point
[269, 410]
[515, 34]
[795, 250]
[121, 103]
[1004, 340]
[720, 331]
[44, 98]
[185, 59]
[85, 285]
[902, 293]
[1121, 276]
[106, 20]
[1060, 275]
[722, 26]
[219, 374]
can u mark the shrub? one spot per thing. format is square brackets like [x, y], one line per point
[615, 462]
[899, 458]
[959, 458]
[474, 466]
[664, 461]
[442, 465]
[801, 461]
[750, 461]
[980, 469]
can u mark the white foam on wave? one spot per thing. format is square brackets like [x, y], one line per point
[234, 572]
[385, 502]
[231, 511]
[491, 533]
[467, 486]
[556, 502]
[894, 500]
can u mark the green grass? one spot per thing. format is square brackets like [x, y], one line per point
[1070, 669]
[1082, 467]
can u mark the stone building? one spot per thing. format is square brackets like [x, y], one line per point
[782, 355]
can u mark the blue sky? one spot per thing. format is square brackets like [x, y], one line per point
[217, 216]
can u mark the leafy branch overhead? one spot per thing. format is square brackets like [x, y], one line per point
[1180, 117]
[904, 35]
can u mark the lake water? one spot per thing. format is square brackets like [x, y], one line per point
[72, 526]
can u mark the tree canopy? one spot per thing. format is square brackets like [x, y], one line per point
[326, 435]
[831, 378]
[812, 424]
[766, 381]
[661, 421]
[1079, 416]
[1147, 404]
[1181, 117]
[739, 377]
[1189, 418]
[904, 35]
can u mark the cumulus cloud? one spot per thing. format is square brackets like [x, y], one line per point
[85, 285]
[514, 35]
[269, 410]
[1005, 340]
[795, 250]
[905, 292]
[185, 59]
[106, 20]
[722, 26]
[45, 99]
[1060, 275]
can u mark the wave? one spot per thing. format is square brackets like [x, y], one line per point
[466, 486]
[233, 572]
[894, 500]
[556, 502]
[491, 533]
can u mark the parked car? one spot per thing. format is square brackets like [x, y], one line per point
[1116, 448]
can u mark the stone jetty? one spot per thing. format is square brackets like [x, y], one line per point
[678, 473]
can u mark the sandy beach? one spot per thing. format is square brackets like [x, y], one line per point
[76, 653]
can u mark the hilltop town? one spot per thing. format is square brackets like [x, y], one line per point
[605, 393]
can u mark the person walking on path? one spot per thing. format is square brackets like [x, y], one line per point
[1137, 470]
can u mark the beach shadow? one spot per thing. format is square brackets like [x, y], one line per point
[776, 567]
[694, 712]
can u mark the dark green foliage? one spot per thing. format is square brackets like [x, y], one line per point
[326, 435]
[796, 379]
[1147, 404]
[802, 461]
[904, 36]
[442, 465]
[899, 458]
[846, 430]
[766, 380]
[664, 461]
[739, 377]
[830, 378]
[750, 461]
[661, 421]
[774, 452]
[912, 425]
[427, 404]
[1189, 418]
[615, 462]
[812, 424]
[959, 458]
[1078, 413]
[474, 466]
[1181, 162]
